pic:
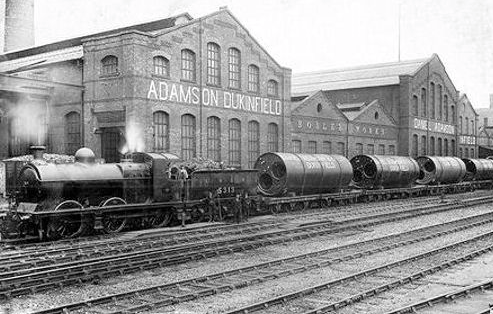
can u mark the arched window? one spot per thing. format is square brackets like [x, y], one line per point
[473, 131]
[440, 102]
[161, 66]
[445, 147]
[272, 137]
[461, 131]
[466, 152]
[326, 147]
[452, 112]
[432, 102]
[272, 88]
[72, 132]
[213, 64]
[188, 147]
[160, 126]
[440, 152]
[432, 145]
[414, 148]
[423, 145]
[253, 79]
[253, 142]
[188, 67]
[467, 125]
[235, 142]
[341, 148]
[214, 138]
[312, 147]
[452, 144]
[296, 146]
[234, 63]
[415, 105]
[109, 65]
[472, 153]
[445, 107]
[424, 107]
[460, 152]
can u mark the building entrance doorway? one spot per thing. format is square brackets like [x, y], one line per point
[111, 144]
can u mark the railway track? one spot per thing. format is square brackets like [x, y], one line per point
[168, 294]
[46, 255]
[336, 294]
[462, 293]
[44, 278]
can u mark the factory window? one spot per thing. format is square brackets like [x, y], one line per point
[253, 142]
[234, 68]
[214, 138]
[341, 148]
[424, 107]
[370, 149]
[439, 149]
[296, 146]
[109, 65]
[213, 64]
[423, 145]
[253, 78]
[161, 66]
[414, 148]
[326, 147]
[467, 125]
[160, 124]
[440, 102]
[460, 152]
[472, 153]
[452, 112]
[188, 67]
[272, 88]
[376, 115]
[358, 149]
[235, 142]
[445, 147]
[432, 100]
[415, 105]
[452, 144]
[466, 152]
[188, 148]
[460, 125]
[445, 107]
[391, 150]
[72, 132]
[473, 131]
[432, 146]
[312, 147]
[381, 149]
[272, 137]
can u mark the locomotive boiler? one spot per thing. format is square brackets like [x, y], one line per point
[301, 174]
[440, 170]
[378, 171]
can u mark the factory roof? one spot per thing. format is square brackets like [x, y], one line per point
[355, 77]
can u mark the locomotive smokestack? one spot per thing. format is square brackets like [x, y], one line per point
[37, 151]
[16, 24]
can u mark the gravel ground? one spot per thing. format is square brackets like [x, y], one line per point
[212, 265]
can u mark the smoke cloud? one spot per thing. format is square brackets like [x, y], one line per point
[134, 134]
[28, 122]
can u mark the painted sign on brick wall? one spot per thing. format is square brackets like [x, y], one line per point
[433, 126]
[210, 97]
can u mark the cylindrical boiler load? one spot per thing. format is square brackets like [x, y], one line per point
[376, 171]
[435, 170]
[478, 169]
[302, 174]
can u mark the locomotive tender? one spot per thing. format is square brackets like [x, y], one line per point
[67, 200]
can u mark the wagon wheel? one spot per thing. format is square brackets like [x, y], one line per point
[275, 208]
[198, 214]
[160, 219]
[299, 206]
[70, 226]
[113, 224]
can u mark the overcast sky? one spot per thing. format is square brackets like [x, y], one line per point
[309, 35]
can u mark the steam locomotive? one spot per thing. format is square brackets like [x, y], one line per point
[67, 200]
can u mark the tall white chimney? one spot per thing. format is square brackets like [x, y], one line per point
[16, 24]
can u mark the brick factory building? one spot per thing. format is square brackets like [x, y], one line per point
[416, 98]
[467, 128]
[194, 87]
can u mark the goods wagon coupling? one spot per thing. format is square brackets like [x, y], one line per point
[302, 174]
[377, 171]
[440, 170]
